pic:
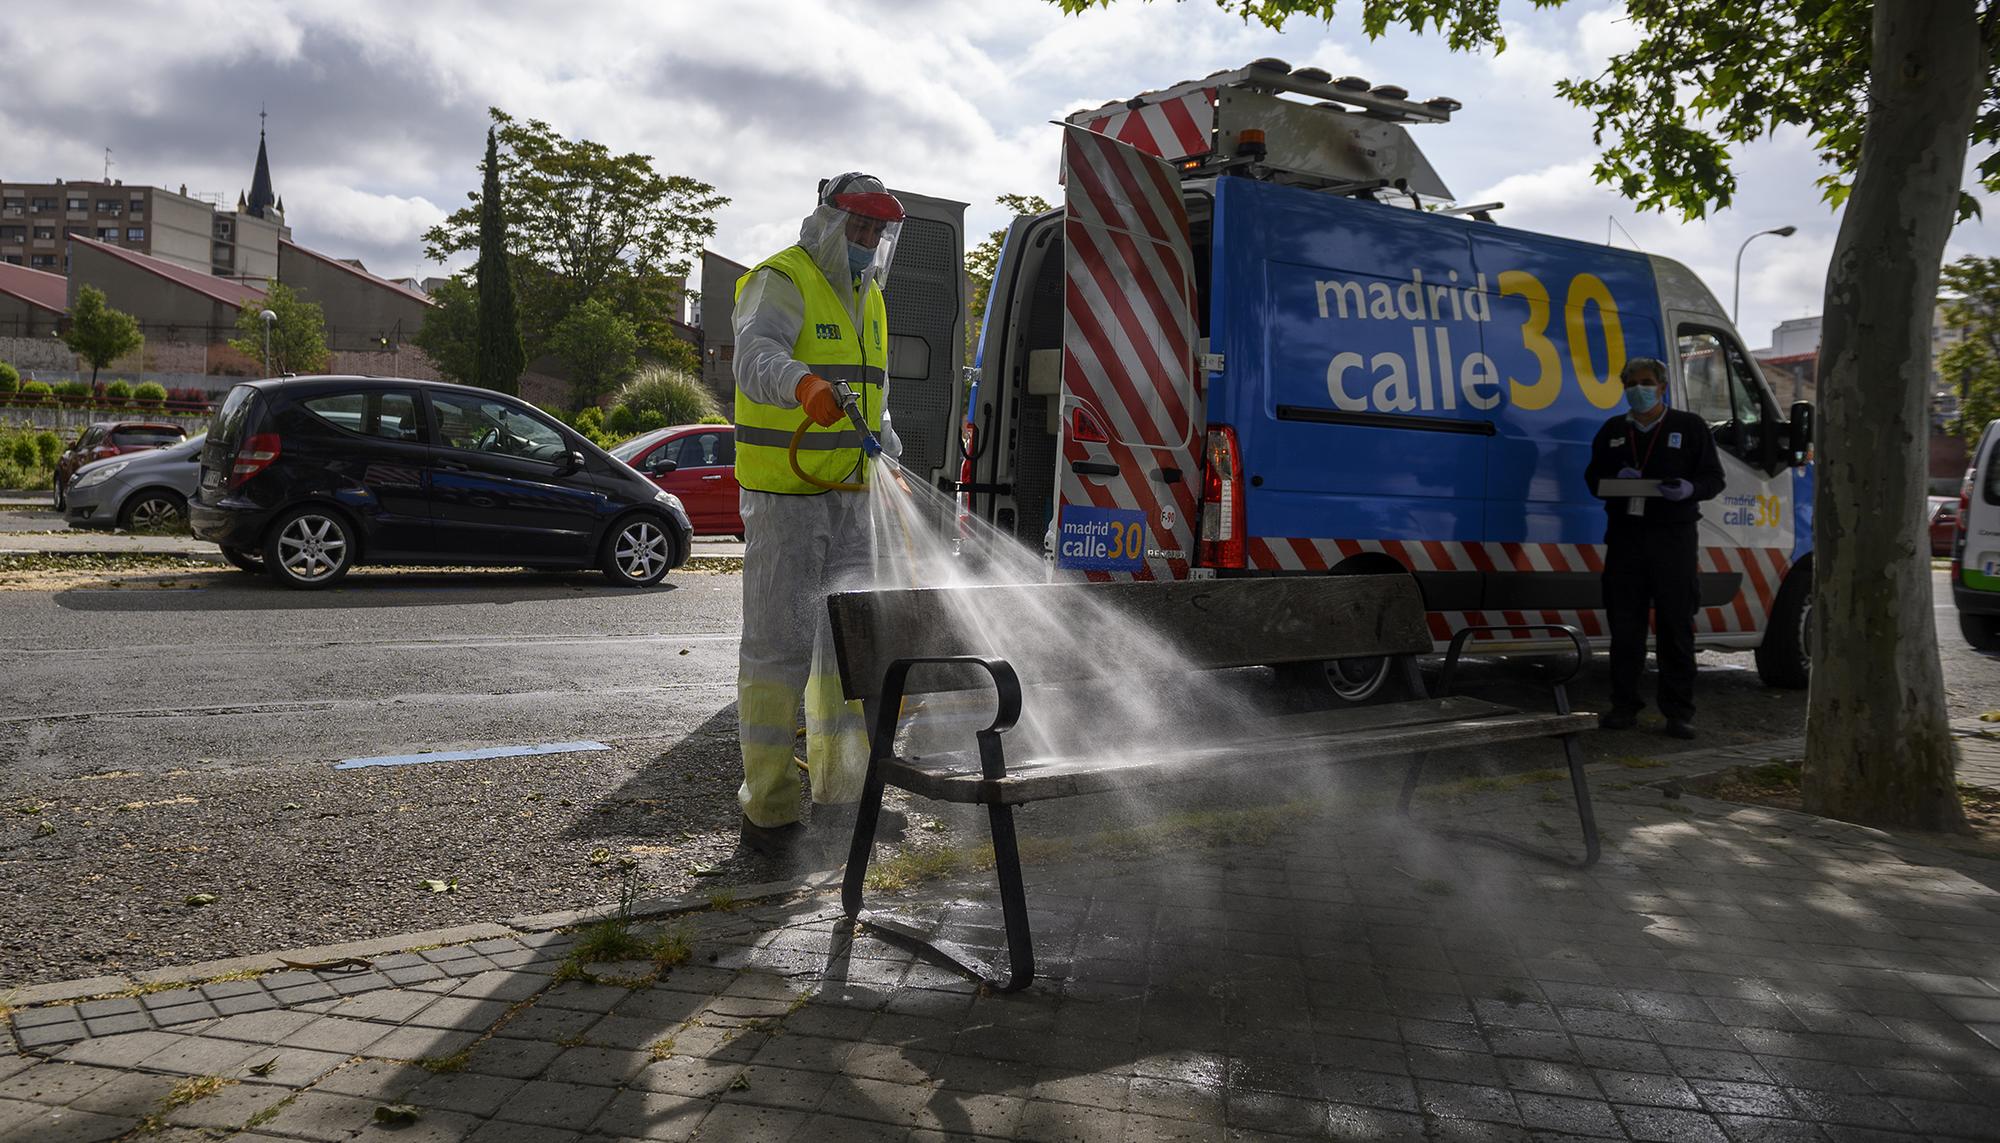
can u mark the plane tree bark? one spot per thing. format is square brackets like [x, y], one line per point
[1878, 747]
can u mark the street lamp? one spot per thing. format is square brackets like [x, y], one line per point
[1736, 297]
[268, 316]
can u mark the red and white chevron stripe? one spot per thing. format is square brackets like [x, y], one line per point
[1173, 129]
[1762, 569]
[1128, 343]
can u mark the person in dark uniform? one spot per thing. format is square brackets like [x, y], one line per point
[1650, 542]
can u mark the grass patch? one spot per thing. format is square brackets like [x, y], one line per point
[1467, 787]
[183, 1093]
[660, 1049]
[271, 1112]
[442, 1065]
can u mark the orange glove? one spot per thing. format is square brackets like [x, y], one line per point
[816, 397]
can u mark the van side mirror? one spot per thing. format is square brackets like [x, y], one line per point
[1802, 431]
[571, 461]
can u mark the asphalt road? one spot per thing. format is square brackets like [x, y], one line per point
[242, 673]
[163, 745]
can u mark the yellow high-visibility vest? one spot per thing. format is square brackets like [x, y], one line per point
[829, 346]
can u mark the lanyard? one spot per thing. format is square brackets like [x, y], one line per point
[1654, 438]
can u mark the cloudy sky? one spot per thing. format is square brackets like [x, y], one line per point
[378, 110]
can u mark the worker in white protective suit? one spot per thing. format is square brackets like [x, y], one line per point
[808, 319]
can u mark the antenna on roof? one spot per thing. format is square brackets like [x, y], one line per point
[107, 165]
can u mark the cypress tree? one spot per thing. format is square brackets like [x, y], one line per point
[499, 357]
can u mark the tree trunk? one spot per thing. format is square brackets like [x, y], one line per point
[1878, 747]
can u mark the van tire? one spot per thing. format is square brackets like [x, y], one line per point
[1784, 658]
[1982, 631]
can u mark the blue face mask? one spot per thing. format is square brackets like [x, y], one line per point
[858, 258]
[1642, 398]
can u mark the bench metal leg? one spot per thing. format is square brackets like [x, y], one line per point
[1006, 851]
[1579, 786]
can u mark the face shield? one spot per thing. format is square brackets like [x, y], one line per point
[853, 232]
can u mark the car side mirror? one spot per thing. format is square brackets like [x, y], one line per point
[570, 462]
[1802, 430]
[663, 465]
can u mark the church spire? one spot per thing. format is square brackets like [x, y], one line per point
[261, 197]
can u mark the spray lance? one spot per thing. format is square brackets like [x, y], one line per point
[871, 446]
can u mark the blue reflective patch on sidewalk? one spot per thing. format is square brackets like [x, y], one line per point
[469, 755]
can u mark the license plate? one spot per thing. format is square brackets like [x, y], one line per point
[210, 478]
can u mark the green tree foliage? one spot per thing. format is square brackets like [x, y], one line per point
[585, 223]
[298, 336]
[679, 397]
[498, 356]
[450, 333]
[981, 260]
[49, 448]
[1972, 367]
[10, 379]
[151, 394]
[620, 422]
[36, 393]
[97, 333]
[1893, 95]
[119, 392]
[598, 345]
[77, 390]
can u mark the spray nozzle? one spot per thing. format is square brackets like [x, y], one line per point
[852, 404]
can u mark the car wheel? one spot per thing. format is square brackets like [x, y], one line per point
[153, 508]
[638, 553]
[60, 503]
[309, 548]
[247, 561]
[1982, 631]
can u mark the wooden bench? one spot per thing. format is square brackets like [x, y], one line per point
[893, 644]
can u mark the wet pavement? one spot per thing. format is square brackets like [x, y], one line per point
[1725, 973]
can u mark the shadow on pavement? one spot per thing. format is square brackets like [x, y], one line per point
[244, 592]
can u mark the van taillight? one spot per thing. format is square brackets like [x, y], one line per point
[256, 454]
[967, 436]
[1086, 428]
[1222, 533]
[1964, 513]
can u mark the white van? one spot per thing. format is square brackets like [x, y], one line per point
[1975, 554]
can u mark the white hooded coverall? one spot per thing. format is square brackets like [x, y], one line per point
[798, 549]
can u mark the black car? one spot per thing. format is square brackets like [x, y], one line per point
[307, 476]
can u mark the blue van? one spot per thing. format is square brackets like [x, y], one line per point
[1257, 339]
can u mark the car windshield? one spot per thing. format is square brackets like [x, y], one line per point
[635, 446]
[147, 436]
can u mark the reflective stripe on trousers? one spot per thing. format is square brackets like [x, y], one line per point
[797, 549]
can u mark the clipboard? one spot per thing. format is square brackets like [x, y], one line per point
[1615, 488]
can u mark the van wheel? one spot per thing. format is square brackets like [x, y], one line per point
[1352, 681]
[245, 561]
[1784, 658]
[1982, 631]
[638, 553]
[309, 548]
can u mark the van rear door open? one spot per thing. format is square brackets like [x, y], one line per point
[1132, 412]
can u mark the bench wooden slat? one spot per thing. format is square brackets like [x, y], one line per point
[956, 777]
[1107, 627]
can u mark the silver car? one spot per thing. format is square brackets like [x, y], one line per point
[139, 490]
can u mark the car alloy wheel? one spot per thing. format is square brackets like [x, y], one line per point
[640, 553]
[154, 510]
[311, 549]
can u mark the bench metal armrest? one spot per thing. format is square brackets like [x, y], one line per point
[1006, 688]
[1464, 634]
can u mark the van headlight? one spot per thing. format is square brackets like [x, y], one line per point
[100, 474]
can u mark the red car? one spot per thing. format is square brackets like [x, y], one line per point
[1944, 524]
[696, 463]
[112, 438]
